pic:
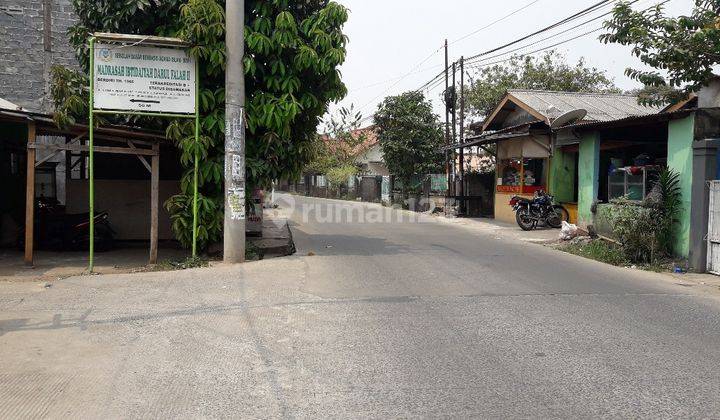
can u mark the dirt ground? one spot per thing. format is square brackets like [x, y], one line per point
[52, 265]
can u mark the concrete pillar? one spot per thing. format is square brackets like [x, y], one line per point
[705, 163]
[588, 176]
[681, 134]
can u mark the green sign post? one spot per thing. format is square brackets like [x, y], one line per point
[141, 75]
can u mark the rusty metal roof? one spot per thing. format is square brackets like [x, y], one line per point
[600, 106]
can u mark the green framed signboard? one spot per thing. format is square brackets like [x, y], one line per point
[141, 75]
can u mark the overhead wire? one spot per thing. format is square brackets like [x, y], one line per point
[495, 22]
[479, 63]
[577, 15]
[401, 79]
[570, 18]
[579, 25]
[480, 60]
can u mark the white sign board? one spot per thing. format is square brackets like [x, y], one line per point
[142, 78]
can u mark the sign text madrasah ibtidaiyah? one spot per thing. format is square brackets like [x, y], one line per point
[145, 79]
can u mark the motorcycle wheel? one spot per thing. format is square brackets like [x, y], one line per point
[560, 215]
[522, 216]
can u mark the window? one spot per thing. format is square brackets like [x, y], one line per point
[533, 172]
[509, 172]
[524, 176]
[633, 183]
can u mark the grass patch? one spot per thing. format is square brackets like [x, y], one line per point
[598, 250]
[613, 254]
[174, 265]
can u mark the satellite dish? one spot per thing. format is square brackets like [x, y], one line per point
[569, 118]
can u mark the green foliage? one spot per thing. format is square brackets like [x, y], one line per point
[339, 176]
[646, 229]
[598, 250]
[70, 95]
[549, 72]
[410, 136]
[293, 51]
[666, 198]
[634, 225]
[685, 48]
[334, 153]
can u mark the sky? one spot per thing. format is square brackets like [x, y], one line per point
[396, 45]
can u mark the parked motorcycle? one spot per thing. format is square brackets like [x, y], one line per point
[56, 230]
[539, 210]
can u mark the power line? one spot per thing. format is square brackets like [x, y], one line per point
[547, 28]
[493, 23]
[568, 19]
[561, 33]
[538, 50]
[392, 79]
[400, 80]
[548, 37]
[462, 38]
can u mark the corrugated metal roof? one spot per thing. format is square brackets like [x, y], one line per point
[634, 119]
[4, 104]
[600, 106]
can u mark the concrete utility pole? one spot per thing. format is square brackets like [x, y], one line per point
[234, 233]
[447, 131]
[462, 137]
[453, 130]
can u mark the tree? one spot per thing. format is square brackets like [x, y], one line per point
[293, 51]
[334, 153]
[686, 48]
[410, 136]
[549, 72]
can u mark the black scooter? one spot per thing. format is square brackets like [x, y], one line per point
[529, 213]
[58, 231]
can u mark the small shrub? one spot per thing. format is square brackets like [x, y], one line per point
[646, 229]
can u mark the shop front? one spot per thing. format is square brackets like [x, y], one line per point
[522, 170]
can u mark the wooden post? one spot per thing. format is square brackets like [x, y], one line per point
[154, 203]
[30, 197]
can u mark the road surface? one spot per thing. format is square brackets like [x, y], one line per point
[372, 318]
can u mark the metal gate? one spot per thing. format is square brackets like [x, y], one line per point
[713, 236]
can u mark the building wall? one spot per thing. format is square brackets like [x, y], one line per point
[562, 176]
[25, 59]
[681, 135]
[503, 211]
[127, 203]
[373, 162]
[588, 176]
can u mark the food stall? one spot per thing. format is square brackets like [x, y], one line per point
[522, 169]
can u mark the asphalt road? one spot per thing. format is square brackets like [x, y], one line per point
[372, 318]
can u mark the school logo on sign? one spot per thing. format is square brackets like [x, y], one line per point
[105, 54]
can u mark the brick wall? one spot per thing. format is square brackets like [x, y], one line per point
[26, 56]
